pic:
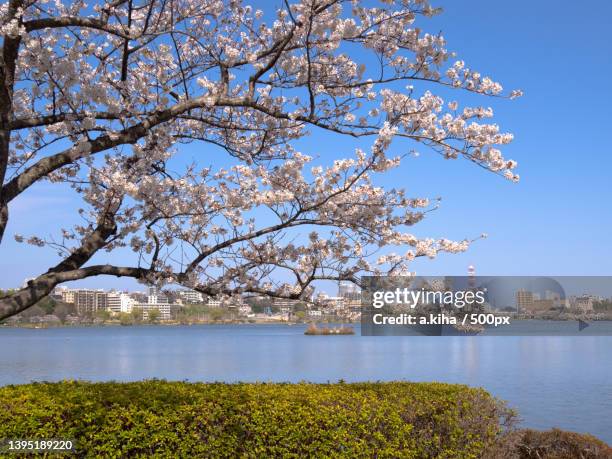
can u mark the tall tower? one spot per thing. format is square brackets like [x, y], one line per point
[472, 284]
[471, 277]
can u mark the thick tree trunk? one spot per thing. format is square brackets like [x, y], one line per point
[8, 61]
[3, 217]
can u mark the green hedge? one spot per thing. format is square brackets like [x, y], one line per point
[177, 419]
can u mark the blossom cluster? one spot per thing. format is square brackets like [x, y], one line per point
[105, 97]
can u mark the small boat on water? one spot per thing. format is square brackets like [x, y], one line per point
[342, 330]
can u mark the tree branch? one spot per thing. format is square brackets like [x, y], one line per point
[43, 285]
[67, 269]
[73, 21]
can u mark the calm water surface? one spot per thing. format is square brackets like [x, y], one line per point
[556, 381]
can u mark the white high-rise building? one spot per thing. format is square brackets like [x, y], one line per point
[127, 303]
[213, 303]
[191, 296]
[119, 302]
[155, 296]
[113, 302]
[165, 309]
[349, 291]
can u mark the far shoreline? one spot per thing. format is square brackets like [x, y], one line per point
[260, 322]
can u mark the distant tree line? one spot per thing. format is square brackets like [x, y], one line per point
[46, 306]
[601, 306]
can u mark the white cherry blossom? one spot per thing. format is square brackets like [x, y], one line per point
[103, 97]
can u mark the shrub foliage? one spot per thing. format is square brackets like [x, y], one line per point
[177, 419]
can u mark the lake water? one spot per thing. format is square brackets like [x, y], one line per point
[559, 381]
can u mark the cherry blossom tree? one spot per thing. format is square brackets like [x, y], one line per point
[104, 98]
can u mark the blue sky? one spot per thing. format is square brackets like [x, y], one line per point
[556, 221]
